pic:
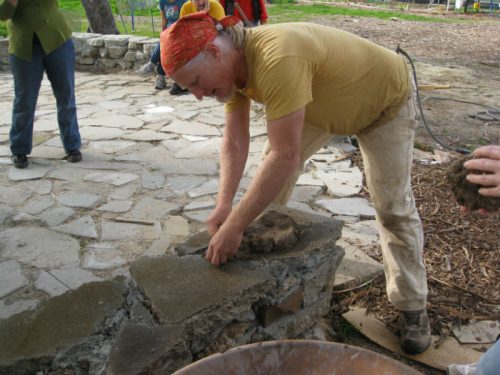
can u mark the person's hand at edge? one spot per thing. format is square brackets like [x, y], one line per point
[487, 160]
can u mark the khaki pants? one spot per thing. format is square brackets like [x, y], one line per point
[387, 157]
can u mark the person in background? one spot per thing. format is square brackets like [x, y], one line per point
[40, 40]
[315, 82]
[487, 160]
[170, 12]
[250, 12]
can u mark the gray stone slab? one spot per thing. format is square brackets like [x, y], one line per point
[49, 284]
[152, 181]
[74, 277]
[183, 184]
[210, 147]
[211, 120]
[152, 209]
[102, 256]
[198, 215]
[11, 277]
[39, 247]
[343, 182]
[207, 188]
[305, 193]
[165, 285]
[94, 133]
[147, 135]
[82, 227]
[5, 151]
[24, 218]
[116, 206]
[79, 199]
[176, 226]
[141, 349]
[62, 323]
[110, 147]
[42, 187]
[113, 121]
[5, 212]
[7, 310]
[112, 231]
[14, 195]
[67, 173]
[32, 172]
[307, 179]
[199, 205]
[159, 247]
[124, 192]
[46, 152]
[356, 267]
[57, 215]
[348, 206]
[116, 179]
[304, 207]
[191, 128]
[38, 204]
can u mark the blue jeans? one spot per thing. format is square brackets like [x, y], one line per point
[60, 68]
[155, 59]
[489, 363]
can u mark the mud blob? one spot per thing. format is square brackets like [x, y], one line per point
[466, 193]
[273, 231]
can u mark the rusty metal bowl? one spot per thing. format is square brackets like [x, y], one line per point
[297, 357]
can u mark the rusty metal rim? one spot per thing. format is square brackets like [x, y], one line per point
[293, 344]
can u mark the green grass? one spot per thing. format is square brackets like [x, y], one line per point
[293, 13]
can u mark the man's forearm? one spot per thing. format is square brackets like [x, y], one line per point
[272, 175]
[232, 164]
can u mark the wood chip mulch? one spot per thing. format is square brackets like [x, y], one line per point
[462, 256]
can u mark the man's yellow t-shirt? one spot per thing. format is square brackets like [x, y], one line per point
[215, 9]
[345, 82]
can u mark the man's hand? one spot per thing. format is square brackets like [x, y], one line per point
[487, 159]
[217, 218]
[224, 244]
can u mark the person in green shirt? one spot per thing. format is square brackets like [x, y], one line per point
[40, 41]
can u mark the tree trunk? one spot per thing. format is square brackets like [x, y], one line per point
[100, 16]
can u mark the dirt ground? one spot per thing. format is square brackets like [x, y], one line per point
[462, 251]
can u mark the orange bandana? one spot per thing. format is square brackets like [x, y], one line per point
[187, 37]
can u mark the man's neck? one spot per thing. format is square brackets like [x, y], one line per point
[240, 64]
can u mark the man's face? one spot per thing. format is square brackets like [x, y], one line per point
[206, 76]
[200, 4]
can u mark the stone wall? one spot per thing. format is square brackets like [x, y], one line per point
[174, 309]
[101, 53]
[4, 54]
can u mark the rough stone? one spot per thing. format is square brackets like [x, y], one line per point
[152, 209]
[30, 173]
[102, 256]
[112, 231]
[77, 199]
[348, 206]
[152, 181]
[82, 227]
[183, 184]
[50, 285]
[190, 128]
[37, 336]
[7, 310]
[57, 216]
[14, 195]
[141, 348]
[11, 277]
[39, 247]
[117, 179]
[343, 182]
[38, 205]
[176, 226]
[116, 206]
[124, 192]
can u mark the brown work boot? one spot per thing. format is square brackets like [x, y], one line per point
[415, 331]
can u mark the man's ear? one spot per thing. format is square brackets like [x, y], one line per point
[214, 51]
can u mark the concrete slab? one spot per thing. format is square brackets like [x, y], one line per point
[61, 323]
[39, 247]
[165, 284]
[11, 277]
